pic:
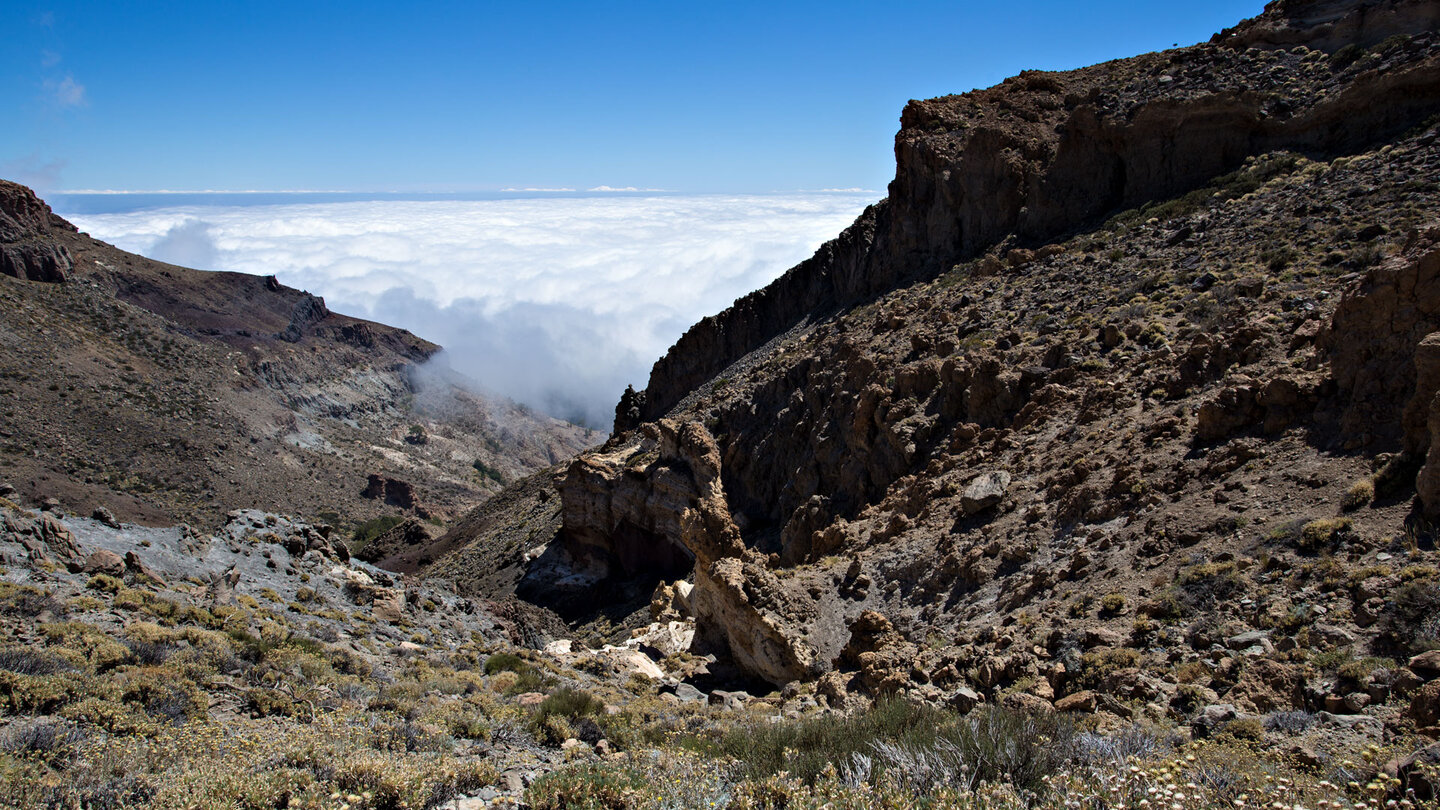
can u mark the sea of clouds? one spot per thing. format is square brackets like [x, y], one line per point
[556, 302]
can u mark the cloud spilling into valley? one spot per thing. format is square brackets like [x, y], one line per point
[556, 302]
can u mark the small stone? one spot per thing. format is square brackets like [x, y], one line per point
[1250, 639]
[105, 516]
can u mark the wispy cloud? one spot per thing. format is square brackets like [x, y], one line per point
[34, 171]
[558, 302]
[67, 92]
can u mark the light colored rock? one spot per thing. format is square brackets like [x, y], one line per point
[1250, 639]
[689, 694]
[560, 646]
[637, 661]
[668, 638]
[388, 605]
[985, 492]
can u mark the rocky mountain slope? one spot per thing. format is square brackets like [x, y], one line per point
[163, 393]
[1116, 403]
[1098, 465]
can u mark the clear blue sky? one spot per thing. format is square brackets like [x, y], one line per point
[365, 96]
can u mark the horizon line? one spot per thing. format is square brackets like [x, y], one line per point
[107, 192]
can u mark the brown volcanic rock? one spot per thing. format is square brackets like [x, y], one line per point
[654, 501]
[1330, 25]
[1034, 157]
[25, 221]
[1378, 350]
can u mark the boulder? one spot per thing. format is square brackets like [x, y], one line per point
[104, 561]
[663, 640]
[689, 694]
[1426, 664]
[1027, 703]
[1418, 772]
[729, 701]
[137, 567]
[1267, 685]
[985, 492]
[1086, 701]
[1425, 705]
[1241, 641]
[388, 605]
[1212, 717]
[883, 656]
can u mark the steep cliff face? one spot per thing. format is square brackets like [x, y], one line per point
[1042, 154]
[943, 437]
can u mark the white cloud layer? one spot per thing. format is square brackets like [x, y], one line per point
[556, 302]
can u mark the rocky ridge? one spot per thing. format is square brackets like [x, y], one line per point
[1044, 154]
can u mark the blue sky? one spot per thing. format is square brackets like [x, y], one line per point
[731, 97]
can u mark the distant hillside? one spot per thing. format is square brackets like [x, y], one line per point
[164, 393]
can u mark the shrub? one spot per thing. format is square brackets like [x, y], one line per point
[1244, 728]
[105, 583]
[27, 602]
[1360, 493]
[25, 661]
[1097, 665]
[511, 675]
[1358, 671]
[486, 471]
[1197, 587]
[42, 738]
[565, 714]
[268, 703]
[1289, 722]
[586, 787]
[1112, 603]
[1412, 618]
[805, 747]
[371, 529]
[1323, 534]
[505, 662]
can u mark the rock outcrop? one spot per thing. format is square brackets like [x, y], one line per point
[656, 505]
[1383, 358]
[25, 253]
